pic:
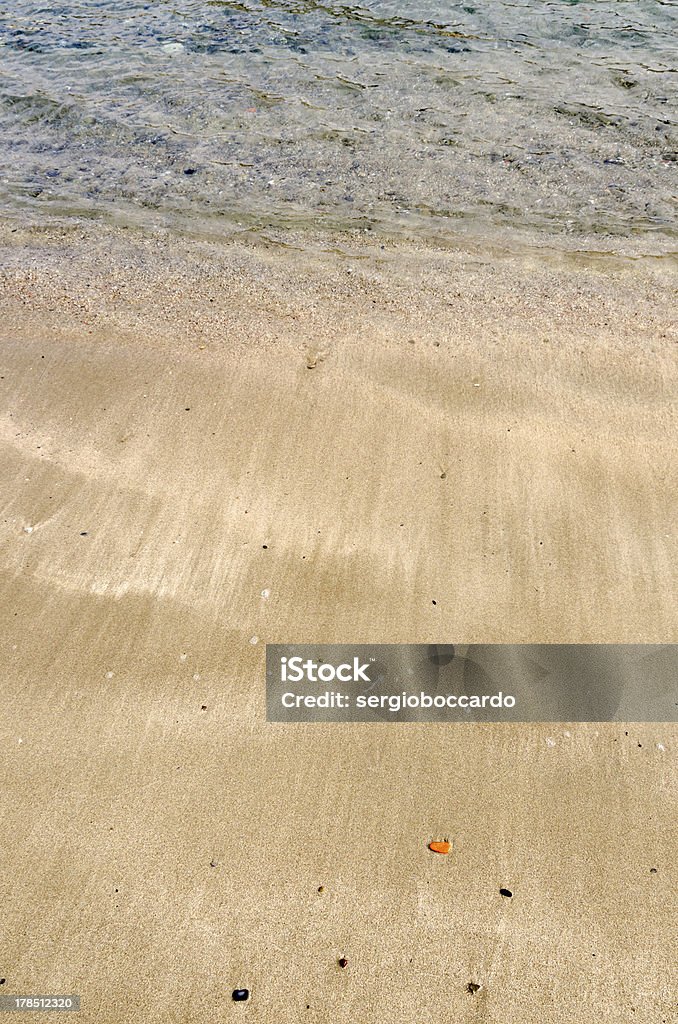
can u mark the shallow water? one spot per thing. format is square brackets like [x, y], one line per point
[431, 117]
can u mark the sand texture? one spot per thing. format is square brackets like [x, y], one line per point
[358, 431]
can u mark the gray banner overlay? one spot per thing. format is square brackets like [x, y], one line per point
[40, 1004]
[472, 682]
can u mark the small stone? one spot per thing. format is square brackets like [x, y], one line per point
[254, 640]
[472, 988]
[266, 594]
[240, 995]
[172, 48]
[28, 529]
[506, 892]
[343, 962]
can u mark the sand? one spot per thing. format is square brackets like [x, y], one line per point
[359, 431]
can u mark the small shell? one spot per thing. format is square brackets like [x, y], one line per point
[443, 847]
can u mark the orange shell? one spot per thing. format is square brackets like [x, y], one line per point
[443, 847]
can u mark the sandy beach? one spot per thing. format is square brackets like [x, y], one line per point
[356, 430]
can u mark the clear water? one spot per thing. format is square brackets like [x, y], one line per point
[387, 115]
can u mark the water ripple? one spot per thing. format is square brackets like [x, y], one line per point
[556, 117]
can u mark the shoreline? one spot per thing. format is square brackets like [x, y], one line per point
[334, 236]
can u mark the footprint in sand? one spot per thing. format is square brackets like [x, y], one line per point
[313, 357]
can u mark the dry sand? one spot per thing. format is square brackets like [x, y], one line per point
[492, 431]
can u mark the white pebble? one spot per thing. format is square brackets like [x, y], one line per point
[182, 657]
[109, 675]
[550, 742]
[266, 594]
[660, 746]
[254, 640]
[196, 677]
[173, 47]
[28, 529]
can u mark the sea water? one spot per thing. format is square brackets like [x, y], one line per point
[423, 117]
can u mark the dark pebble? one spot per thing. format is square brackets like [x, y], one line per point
[342, 961]
[506, 892]
[191, 170]
[240, 995]
[472, 988]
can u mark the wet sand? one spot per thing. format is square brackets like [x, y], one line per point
[360, 431]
